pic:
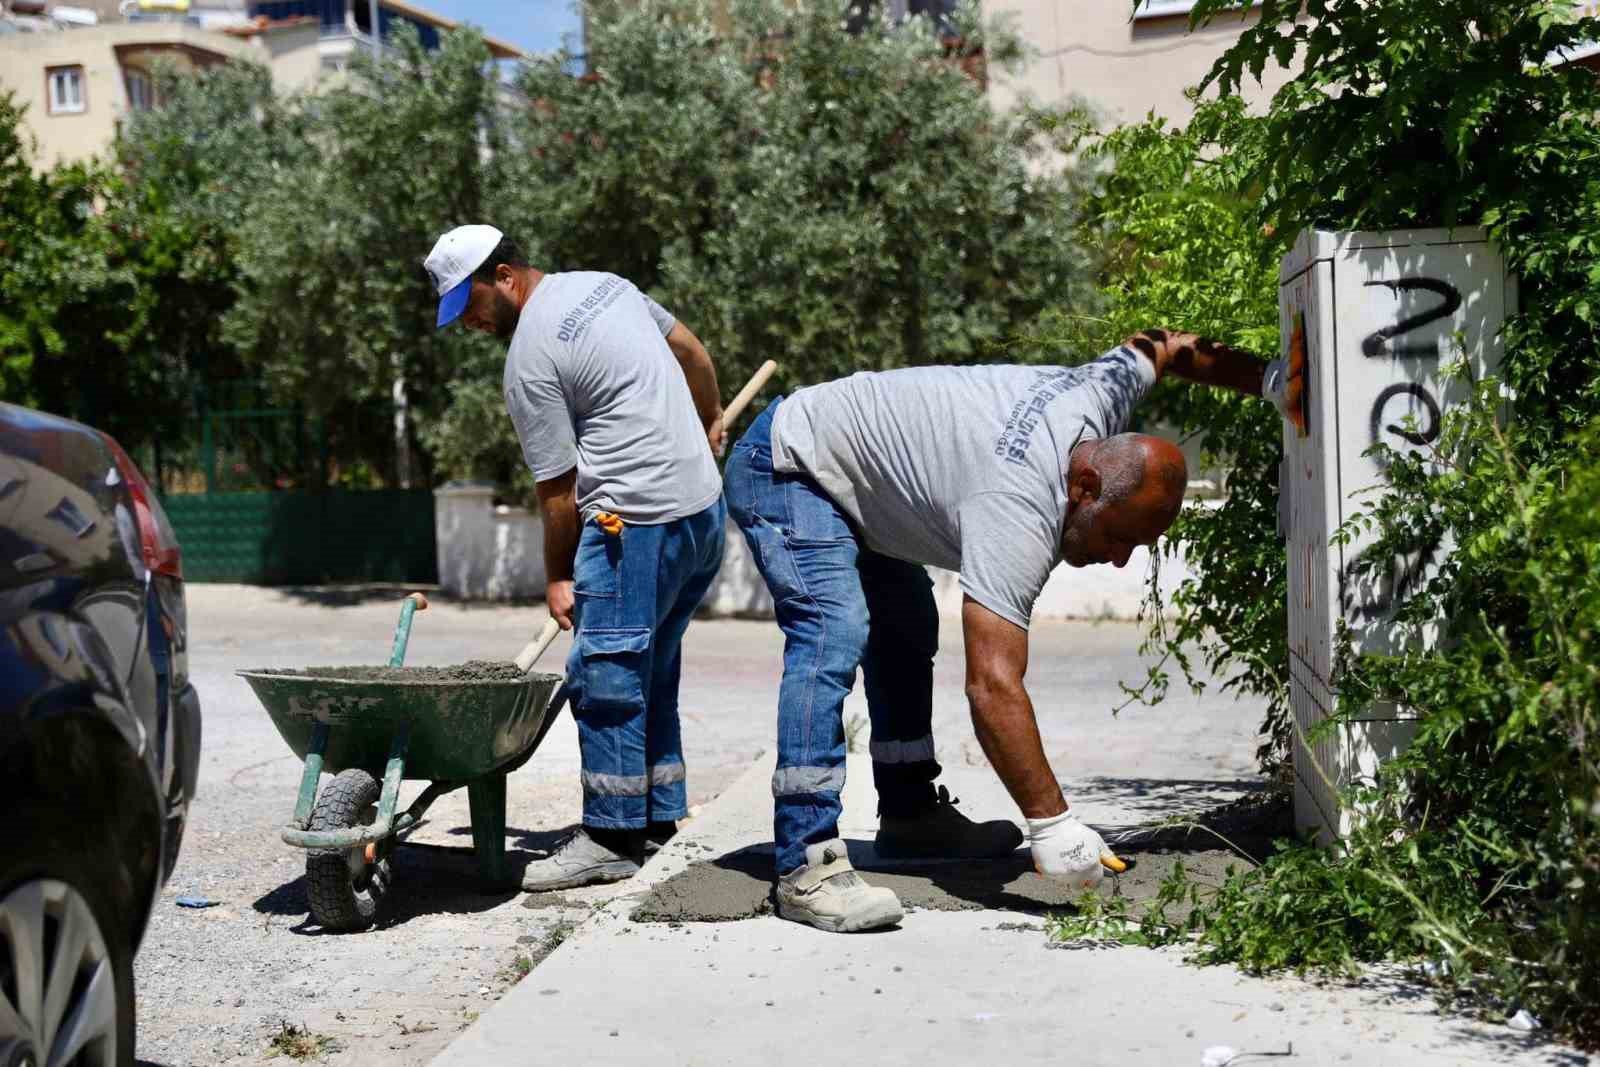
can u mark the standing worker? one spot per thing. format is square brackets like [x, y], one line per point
[616, 406]
[846, 489]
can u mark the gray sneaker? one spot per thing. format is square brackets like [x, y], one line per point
[828, 893]
[580, 861]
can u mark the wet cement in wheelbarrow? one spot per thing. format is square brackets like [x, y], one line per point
[472, 671]
[738, 885]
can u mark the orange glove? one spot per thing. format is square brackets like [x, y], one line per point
[611, 524]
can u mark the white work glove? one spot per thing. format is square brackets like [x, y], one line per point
[1275, 385]
[1065, 848]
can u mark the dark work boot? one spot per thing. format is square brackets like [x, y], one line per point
[942, 832]
[658, 834]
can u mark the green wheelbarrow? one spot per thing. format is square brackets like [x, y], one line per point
[372, 734]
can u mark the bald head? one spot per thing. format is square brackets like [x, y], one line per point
[1122, 492]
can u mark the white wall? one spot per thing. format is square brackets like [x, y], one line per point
[489, 553]
[1123, 67]
[486, 552]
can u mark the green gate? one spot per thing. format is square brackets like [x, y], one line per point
[261, 494]
[306, 536]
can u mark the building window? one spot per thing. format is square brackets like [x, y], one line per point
[141, 91]
[67, 96]
[1157, 9]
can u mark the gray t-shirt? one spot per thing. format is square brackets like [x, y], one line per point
[960, 467]
[591, 383]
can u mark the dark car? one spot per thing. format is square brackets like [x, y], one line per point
[99, 736]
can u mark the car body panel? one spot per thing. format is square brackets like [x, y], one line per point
[85, 625]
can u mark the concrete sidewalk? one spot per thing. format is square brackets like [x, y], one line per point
[944, 988]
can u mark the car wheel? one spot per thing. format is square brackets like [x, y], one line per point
[345, 891]
[66, 977]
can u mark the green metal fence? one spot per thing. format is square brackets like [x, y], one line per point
[305, 536]
[266, 494]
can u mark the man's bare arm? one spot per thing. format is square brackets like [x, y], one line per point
[1200, 359]
[558, 502]
[702, 376]
[1002, 714]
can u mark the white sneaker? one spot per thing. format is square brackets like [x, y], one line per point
[828, 894]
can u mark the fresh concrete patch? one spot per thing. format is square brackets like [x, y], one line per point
[739, 885]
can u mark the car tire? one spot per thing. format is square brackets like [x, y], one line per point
[54, 899]
[345, 892]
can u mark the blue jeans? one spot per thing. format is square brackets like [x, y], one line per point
[840, 605]
[635, 593]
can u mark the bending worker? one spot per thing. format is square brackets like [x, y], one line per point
[616, 406]
[844, 490]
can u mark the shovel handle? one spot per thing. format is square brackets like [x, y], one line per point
[736, 406]
[535, 648]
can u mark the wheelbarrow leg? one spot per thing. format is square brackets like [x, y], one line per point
[309, 776]
[486, 797]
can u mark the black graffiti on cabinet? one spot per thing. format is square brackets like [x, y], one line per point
[1377, 344]
[1405, 574]
[1425, 433]
[1406, 569]
[1388, 586]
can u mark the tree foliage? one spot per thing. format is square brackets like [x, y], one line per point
[1478, 846]
[794, 190]
[1176, 218]
[837, 201]
[97, 308]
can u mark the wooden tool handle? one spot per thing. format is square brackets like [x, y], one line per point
[535, 648]
[736, 407]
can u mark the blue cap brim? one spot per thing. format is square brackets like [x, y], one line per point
[453, 303]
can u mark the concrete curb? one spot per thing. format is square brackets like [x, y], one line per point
[722, 826]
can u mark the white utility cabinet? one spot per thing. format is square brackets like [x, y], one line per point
[1379, 315]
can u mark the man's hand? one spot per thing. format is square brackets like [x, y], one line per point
[1065, 848]
[1284, 383]
[1207, 362]
[558, 505]
[558, 597]
[716, 435]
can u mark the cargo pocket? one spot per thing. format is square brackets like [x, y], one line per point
[613, 665]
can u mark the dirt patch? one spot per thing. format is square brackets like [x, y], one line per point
[739, 885]
[472, 671]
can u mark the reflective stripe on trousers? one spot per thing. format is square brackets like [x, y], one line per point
[637, 785]
[902, 751]
[790, 781]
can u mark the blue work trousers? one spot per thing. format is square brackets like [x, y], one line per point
[840, 606]
[635, 592]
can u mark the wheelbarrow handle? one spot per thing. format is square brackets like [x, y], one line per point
[412, 604]
[535, 648]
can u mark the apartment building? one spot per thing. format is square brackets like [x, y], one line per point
[80, 69]
[1124, 63]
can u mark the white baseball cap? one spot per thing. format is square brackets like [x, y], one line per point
[451, 263]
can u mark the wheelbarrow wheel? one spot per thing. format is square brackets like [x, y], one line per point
[346, 892]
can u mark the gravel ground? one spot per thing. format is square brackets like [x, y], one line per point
[220, 984]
